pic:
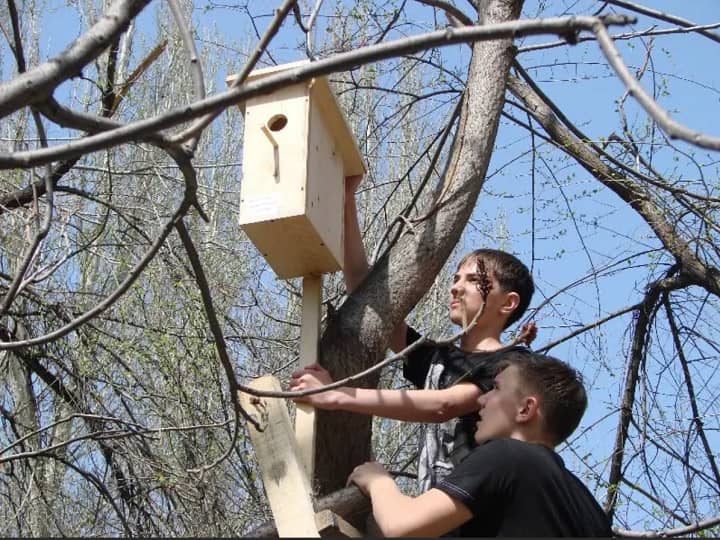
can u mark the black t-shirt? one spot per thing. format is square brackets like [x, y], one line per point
[514, 488]
[433, 367]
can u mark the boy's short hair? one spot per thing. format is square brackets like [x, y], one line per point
[560, 388]
[510, 273]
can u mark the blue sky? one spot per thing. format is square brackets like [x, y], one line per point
[577, 79]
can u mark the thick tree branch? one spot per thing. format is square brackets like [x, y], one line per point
[632, 193]
[338, 62]
[348, 502]
[359, 333]
[668, 533]
[643, 322]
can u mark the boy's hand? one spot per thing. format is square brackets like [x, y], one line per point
[528, 333]
[314, 376]
[352, 183]
[367, 474]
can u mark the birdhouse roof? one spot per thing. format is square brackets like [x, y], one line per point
[322, 95]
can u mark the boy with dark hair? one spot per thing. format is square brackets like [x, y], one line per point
[513, 483]
[490, 286]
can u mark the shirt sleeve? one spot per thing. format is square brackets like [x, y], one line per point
[417, 364]
[483, 480]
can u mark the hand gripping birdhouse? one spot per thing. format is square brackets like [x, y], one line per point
[297, 151]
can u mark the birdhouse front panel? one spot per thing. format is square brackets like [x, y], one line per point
[274, 156]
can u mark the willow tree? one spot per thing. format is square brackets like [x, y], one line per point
[133, 311]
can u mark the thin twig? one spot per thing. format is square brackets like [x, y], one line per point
[644, 10]
[674, 129]
[117, 293]
[203, 122]
[220, 345]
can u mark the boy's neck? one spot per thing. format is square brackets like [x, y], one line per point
[481, 339]
[533, 436]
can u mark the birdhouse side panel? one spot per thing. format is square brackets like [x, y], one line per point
[325, 174]
[274, 156]
[345, 143]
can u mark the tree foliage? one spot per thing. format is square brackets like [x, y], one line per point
[133, 309]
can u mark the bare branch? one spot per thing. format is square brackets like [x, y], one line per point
[645, 316]
[195, 67]
[338, 62]
[651, 31]
[674, 129]
[667, 533]
[202, 123]
[451, 11]
[684, 23]
[696, 417]
[38, 84]
[220, 345]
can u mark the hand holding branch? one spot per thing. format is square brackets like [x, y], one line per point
[315, 376]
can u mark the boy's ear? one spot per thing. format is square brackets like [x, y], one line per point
[512, 301]
[529, 409]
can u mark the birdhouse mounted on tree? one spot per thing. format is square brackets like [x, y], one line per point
[297, 151]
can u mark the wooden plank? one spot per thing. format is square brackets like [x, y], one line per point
[283, 473]
[309, 337]
[331, 525]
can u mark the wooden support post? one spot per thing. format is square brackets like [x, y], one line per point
[309, 337]
[286, 482]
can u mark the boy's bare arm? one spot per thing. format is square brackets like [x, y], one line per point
[356, 266]
[429, 515]
[406, 405]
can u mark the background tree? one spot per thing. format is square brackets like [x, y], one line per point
[133, 309]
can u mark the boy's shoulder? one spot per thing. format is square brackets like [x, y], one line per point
[479, 366]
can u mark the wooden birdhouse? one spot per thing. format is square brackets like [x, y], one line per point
[297, 151]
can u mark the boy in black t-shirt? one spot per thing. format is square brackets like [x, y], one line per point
[513, 483]
[489, 280]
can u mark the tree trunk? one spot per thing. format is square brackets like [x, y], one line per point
[358, 336]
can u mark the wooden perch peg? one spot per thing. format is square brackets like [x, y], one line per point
[276, 152]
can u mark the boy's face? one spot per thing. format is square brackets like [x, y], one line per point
[466, 296]
[500, 407]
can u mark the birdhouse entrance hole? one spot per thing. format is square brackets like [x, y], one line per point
[277, 122]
